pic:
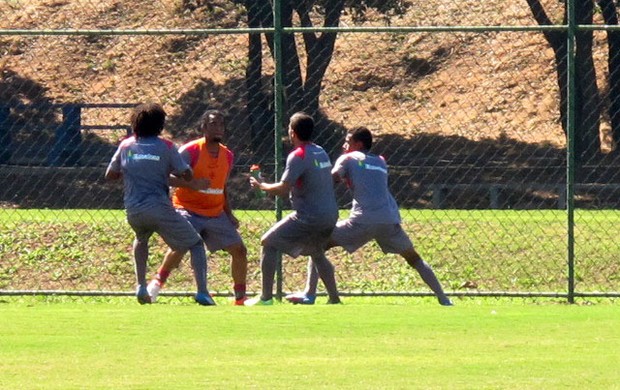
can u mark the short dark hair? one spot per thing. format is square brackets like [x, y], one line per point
[204, 119]
[363, 135]
[148, 119]
[302, 125]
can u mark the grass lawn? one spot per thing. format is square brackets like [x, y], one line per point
[518, 251]
[367, 343]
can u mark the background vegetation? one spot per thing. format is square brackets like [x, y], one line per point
[471, 252]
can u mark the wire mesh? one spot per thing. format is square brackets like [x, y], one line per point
[470, 119]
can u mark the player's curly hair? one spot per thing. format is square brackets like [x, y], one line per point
[363, 135]
[302, 125]
[204, 119]
[147, 120]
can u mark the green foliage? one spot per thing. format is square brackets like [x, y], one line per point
[389, 8]
[492, 250]
[358, 8]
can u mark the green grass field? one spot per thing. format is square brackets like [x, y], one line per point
[367, 343]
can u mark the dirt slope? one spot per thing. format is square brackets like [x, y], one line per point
[473, 85]
[436, 99]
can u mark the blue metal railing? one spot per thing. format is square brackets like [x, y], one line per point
[66, 149]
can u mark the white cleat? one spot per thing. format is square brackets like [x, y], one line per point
[153, 288]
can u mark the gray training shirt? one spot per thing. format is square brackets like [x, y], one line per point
[367, 176]
[146, 164]
[308, 171]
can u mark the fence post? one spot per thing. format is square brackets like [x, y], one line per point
[5, 134]
[66, 149]
[494, 196]
[438, 196]
[278, 108]
[570, 151]
[562, 197]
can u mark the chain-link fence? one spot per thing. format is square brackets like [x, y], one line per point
[471, 105]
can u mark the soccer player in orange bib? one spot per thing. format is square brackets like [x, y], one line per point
[208, 209]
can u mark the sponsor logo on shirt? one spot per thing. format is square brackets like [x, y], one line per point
[142, 156]
[322, 165]
[370, 167]
[213, 191]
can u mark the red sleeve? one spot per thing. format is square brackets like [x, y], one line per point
[193, 149]
[168, 143]
[231, 158]
[300, 152]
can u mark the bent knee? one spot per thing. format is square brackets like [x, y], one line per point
[238, 251]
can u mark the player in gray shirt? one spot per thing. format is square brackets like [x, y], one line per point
[306, 231]
[374, 214]
[145, 162]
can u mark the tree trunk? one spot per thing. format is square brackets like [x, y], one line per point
[587, 97]
[608, 8]
[320, 51]
[302, 94]
[588, 102]
[557, 41]
[258, 103]
[292, 77]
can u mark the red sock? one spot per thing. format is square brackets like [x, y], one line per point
[162, 275]
[239, 290]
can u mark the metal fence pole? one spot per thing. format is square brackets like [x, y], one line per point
[278, 105]
[66, 149]
[5, 134]
[570, 151]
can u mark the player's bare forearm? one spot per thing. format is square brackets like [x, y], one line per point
[174, 181]
[336, 177]
[186, 175]
[113, 175]
[227, 208]
[228, 211]
[180, 179]
[196, 184]
[276, 189]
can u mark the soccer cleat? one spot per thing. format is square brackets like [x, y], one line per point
[143, 295]
[446, 302]
[258, 302]
[300, 298]
[204, 299]
[153, 289]
[240, 301]
[334, 302]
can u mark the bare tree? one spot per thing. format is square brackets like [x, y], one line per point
[610, 15]
[259, 101]
[302, 83]
[587, 95]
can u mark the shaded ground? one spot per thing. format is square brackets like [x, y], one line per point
[464, 179]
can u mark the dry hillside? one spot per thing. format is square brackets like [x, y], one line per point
[473, 85]
[432, 97]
